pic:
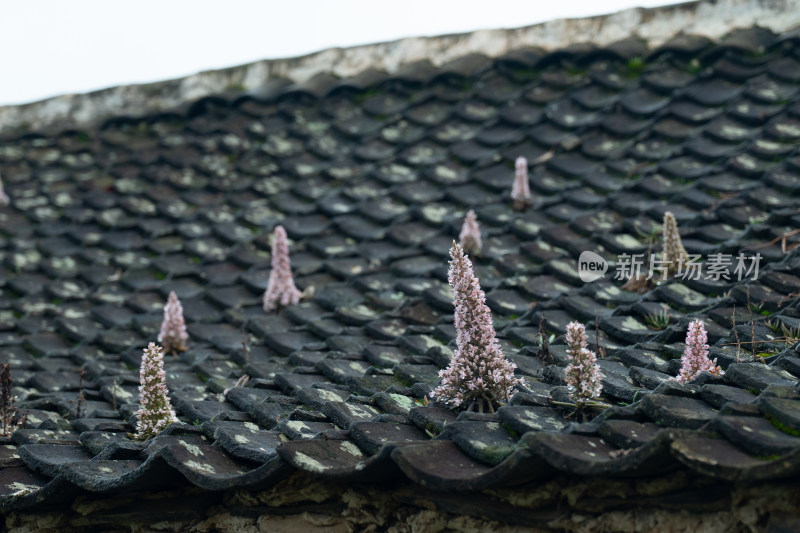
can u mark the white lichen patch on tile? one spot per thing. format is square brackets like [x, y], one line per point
[21, 489]
[309, 463]
[191, 448]
[202, 467]
[631, 323]
[403, 401]
[352, 449]
[329, 395]
[361, 411]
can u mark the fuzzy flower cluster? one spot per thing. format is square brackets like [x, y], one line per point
[470, 236]
[173, 335]
[4, 199]
[155, 411]
[478, 374]
[281, 290]
[521, 190]
[674, 253]
[583, 373]
[695, 356]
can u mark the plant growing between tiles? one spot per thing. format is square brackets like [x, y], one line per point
[4, 199]
[281, 290]
[582, 373]
[479, 377]
[173, 335]
[470, 236]
[9, 416]
[695, 358]
[674, 254]
[521, 190]
[155, 411]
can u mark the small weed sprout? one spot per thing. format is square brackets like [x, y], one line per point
[658, 320]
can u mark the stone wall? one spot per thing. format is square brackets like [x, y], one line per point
[677, 502]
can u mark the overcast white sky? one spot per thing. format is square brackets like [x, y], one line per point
[52, 47]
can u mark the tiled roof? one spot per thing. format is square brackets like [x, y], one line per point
[371, 177]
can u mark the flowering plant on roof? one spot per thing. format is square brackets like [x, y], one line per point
[155, 411]
[281, 290]
[478, 375]
[173, 335]
[4, 199]
[470, 236]
[582, 372]
[521, 190]
[674, 254]
[695, 358]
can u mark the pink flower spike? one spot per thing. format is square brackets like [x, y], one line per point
[155, 411]
[173, 334]
[478, 374]
[4, 199]
[582, 373]
[281, 290]
[470, 237]
[695, 357]
[521, 190]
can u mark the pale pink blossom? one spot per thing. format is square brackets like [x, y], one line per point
[4, 199]
[173, 335]
[695, 356]
[521, 190]
[470, 236]
[478, 374]
[582, 373]
[281, 290]
[155, 411]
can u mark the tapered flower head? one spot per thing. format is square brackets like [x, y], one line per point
[521, 190]
[281, 290]
[695, 356]
[478, 374]
[4, 199]
[155, 411]
[173, 335]
[470, 237]
[582, 373]
[674, 253]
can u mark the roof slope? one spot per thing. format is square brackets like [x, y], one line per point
[371, 177]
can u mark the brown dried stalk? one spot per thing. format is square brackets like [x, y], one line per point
[601, 350]
[544, 354]
[9, 416]
[736, 333]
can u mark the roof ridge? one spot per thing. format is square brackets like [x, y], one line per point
[657, 26]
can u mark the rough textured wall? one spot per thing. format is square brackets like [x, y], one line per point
[677, 502]
[656, 25]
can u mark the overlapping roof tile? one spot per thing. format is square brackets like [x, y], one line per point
[371, 178]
